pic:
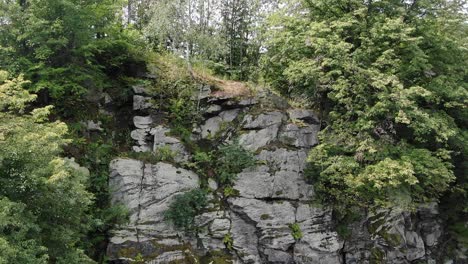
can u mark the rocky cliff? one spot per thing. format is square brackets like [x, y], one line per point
[272, 218]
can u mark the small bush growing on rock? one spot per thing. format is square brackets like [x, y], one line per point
[139, 259]
[230, 192]
[165, 153]
[228, 241]
[185, 207]
[203, 160]
[232, 160]
[296, 231]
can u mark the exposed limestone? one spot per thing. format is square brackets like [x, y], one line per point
[302, 137]
[213, 109]
[390, 236]
[141, 89]
[281, 177]
[263, 120]
[269, 198]
[305, 115]
[204, 92]
[245, 240]
[142, 121]
[141, 102]
[213, 125]
[92, 126]
[146, 190]
[255, 139]
[161, 139]
[142, 137]
[319, 244]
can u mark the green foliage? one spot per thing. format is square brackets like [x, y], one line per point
[232, 159]
[460, 232]
[228, 241]
[66, 48]
[165, 153]
[390, 81]
[230, 192]
[296, 231]
[182, 114]
[45, 195]
[139, 259]
[19, 246]
[185, 207]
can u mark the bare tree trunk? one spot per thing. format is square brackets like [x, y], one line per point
[129, 12]
[189, 39]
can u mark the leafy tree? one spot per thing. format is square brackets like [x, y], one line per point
[16, 241]
[43, 198]
[389, 78]
[66, 48]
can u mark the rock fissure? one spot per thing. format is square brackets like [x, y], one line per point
[137, 222]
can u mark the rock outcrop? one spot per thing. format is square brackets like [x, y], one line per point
[271, 218]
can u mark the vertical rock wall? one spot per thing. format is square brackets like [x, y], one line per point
[273, 197]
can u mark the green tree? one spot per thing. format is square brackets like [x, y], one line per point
[43, 198]
[66, 48]
[389, 78]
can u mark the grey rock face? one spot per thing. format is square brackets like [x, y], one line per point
[302, 137]
[271, 198]
[320, 243]
[281, 177]
[93, 126]
[393, 236]
[142, 137]
[263, 120]
[141, 90]
[213, 109]
[142, 121]
[141, 102]
[146, 190]
[204, 92]
[255, 139]
[213, 125]
[304, 115]
[161, 139]
[244, 239]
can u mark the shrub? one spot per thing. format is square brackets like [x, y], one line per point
[296, 231]
[229, 191]
[185, 207]
[228, 241]
[232, 160]
[165, 153]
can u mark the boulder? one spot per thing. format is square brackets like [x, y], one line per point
[263, 120]
[142, 121]
[213, 125]
[141, 102]
[93, 126]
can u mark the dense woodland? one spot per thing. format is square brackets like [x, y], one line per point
[388, 79]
